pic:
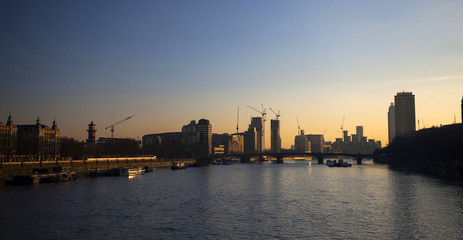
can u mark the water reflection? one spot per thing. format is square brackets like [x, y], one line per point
[283, 201]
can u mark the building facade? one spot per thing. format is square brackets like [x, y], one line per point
[301, 144]
[405, 122]
[91, 133]
[258, 124]
[8, 139]
[275, 136]
[317, 142]
[204, 128]
[391, 122]
[38, 142]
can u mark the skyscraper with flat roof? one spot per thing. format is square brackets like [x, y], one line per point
[204, 128]
[258, 123]
[359, 133]
[404, 113]
[275, 135]
[391, 122]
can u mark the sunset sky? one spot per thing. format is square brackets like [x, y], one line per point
[169, 62]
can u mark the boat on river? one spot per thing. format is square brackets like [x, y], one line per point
[43, 175]
[340, 163]
[178, 166]
[135, 171]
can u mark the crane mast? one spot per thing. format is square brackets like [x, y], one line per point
[237, 119]
[276, 114]
[111, 127]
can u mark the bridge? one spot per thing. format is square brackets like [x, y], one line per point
[246, 158]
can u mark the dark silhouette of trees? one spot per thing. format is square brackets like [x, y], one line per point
[433, 144]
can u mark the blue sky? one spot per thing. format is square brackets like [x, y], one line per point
[169, 62]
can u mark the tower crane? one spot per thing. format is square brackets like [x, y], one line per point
[276, 114]
[298, 127]
[342, 127]
[111, 127]
[237, 119]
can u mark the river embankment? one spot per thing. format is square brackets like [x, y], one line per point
[82, 166]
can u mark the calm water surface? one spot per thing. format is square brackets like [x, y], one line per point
[295, 200]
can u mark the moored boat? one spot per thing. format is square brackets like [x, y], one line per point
[340, 163]
[135, 171]
[178, 165]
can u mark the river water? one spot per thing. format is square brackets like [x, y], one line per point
[295, 200]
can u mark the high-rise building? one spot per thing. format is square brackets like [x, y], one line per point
[275, 136]
[391, 122]
[359, 133]
[461, 109]
[301, 144]
[250, 140]
[404, 113]
[204, 128]
[258, 124]
[91, 133]
[317, 142]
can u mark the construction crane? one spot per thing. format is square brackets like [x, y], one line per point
[261, 112]
[276, 114]
[111, 127]
[342, 127]
[237, 119]
[298, 127]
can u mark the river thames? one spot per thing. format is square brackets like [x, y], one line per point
[295, 200]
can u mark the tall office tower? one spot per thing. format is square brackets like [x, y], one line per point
[275, 135]
[91, 133]
[259, 125]
[461, 109]
[205, 136]
[391, 122]
[359, 133]
[404, 113]
[346, 136]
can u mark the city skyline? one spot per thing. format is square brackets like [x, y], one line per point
[170, 62]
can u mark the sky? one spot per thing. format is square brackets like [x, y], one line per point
[170, 62]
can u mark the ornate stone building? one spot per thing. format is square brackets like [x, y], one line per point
[8, 140]
[38, 142]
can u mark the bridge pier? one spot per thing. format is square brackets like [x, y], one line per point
[359, 160]
[279, 159]
[320, 159]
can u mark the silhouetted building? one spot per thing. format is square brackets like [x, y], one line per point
[91, 133]
[391, 122]
[404, 113]
[204, 128]
[258, 124]
[301, 144]
[190, 127]
[275, 136]
[8, 140]
[317, 142]
[461, 109]
[250, 140]
[38, 142]
[187, 143]
[359, 133]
